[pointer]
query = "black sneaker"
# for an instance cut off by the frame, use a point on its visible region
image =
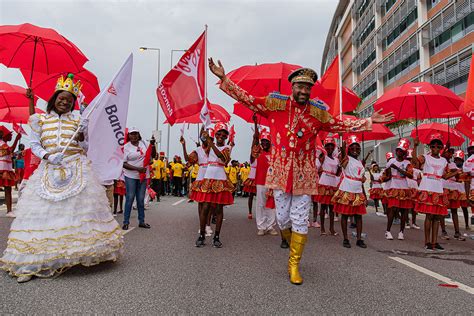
(216, 243)
(438, 247)
(361, 243)
(346, 243)
(284, 244)
(428, 247)
(200, 241)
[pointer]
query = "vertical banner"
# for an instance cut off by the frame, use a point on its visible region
(107, 115)
(182, 91)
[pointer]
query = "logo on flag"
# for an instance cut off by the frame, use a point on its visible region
(112, 90)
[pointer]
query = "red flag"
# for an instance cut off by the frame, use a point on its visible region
(146, 162)
(31, 163)
(182, 91)
(19, 129)
(468, 107)
(466, 126)
(330, 92)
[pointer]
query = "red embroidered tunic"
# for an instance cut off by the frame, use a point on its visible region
(294, 127)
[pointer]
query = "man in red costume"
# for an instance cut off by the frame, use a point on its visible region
(292, 174)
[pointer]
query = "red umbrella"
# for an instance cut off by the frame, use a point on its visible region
(418, 100)
(217, 113)
(426, 130)
(44, 84)
(27, 46)
(13, 96)
(247, 114)
(378, 132)
(19, 115)
(260, 80)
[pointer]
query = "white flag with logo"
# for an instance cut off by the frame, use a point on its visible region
(107, 116)
(205, 116)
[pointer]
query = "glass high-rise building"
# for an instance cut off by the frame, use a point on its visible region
(385, 43)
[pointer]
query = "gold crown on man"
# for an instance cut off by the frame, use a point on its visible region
(69, 85)
(305, 75)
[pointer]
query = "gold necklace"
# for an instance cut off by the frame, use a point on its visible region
(296, 118)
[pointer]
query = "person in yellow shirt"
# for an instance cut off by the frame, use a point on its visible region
(244, 174)
(233, 173)
(158, 166)
(177, 169)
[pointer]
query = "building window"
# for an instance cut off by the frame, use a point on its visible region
(388, 5)
(452, 35)
(402, 68)
(369, 92)
(366, 62)
(457, 85)
(431, 3)
(362, 8)
(400, 29)
(366, 32)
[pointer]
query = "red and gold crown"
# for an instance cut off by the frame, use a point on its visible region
(69, 85)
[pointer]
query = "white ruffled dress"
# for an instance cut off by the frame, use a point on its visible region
(63, 217)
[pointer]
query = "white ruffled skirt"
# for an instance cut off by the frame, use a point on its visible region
(47, 237)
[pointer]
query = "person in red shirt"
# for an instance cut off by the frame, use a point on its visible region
(7, 175)
(265, 217)
(292, 175)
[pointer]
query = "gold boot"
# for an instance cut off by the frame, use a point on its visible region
(296, 250)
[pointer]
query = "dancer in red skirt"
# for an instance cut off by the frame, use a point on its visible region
(249, 184)
(389, 155)
(462, 179)
(199, 156)
(215, 189)
(328, 183)
(399, 198)
(119, 193)
(431, 199)
(375, 192)
(7, 175)
(468, 168)
(350, 199)
(413, 185)
(455, 190)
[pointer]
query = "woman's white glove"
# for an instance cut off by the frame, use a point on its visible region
(56, 158)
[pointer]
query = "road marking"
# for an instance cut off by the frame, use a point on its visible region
(435, 275)
(179, 202)
(129, 230)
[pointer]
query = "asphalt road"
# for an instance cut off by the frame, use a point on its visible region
(163, 273)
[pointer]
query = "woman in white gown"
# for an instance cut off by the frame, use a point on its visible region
(63, 215)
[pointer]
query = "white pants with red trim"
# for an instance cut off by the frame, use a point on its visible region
(265, 217)
(292, 211)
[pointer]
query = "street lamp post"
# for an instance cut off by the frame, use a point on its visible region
(169, 126)
(142, 49)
